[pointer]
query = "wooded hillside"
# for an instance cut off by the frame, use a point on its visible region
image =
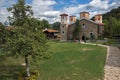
(113, 13)
(112, 23)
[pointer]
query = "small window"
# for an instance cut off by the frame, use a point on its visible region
(91, 34)
(83, 26)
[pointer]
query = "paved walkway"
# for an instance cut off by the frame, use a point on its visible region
(112, 67)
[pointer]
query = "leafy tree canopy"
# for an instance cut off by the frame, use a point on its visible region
(45, 24)
(20, 13)
(1, 26)
(77, 29)
(26, 39)
(113, 13)
(56, 25)
(112, 23)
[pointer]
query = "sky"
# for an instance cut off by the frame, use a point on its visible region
(51, 9)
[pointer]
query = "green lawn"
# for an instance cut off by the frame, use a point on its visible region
(69, 61)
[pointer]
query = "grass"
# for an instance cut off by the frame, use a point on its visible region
(113, 42)
(69, 61)
(73, 61)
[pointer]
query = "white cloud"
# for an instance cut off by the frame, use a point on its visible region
(1, 2)
(4, 4)
(94, 7)
(43, 9)
(102, 4)
(74, 9)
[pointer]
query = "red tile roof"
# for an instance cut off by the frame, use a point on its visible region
(10, 28)
(51, 30)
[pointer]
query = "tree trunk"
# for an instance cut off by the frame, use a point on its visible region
(27, 67)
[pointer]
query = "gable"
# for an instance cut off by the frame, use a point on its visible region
(88, 21)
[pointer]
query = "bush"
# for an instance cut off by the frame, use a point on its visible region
(34, 76)
(100, 37)
(113, 41)
(87, 38)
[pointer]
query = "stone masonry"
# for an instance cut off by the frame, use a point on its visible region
(112, 67)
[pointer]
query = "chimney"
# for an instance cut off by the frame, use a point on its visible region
(72, 19)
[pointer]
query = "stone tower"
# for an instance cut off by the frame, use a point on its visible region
(72, 19)
(64, 27)
(98, 18)
(84, 15)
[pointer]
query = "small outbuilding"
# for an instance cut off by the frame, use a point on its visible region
(51, 33)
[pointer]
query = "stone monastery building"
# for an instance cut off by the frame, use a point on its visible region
(89, 27)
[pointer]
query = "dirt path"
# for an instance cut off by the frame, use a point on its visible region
(112, 67)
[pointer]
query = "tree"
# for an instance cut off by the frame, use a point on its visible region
(77, 29)
(56, 26)
(26, 40)
(45, 24)
(1, 26)
(113, 13)
(112, 23)
(2, 33)
(111, 27)
(20, 13)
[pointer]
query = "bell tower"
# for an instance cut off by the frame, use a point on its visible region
(72, 19)
(84, 15)
(64, 27)
(98, 18)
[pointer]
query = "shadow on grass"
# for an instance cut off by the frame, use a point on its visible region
(9, 70)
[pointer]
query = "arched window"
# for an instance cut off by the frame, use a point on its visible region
(83, 25)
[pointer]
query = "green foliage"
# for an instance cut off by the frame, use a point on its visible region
(77, 29)
(26, 39)
(3, 34)
(112, 23)
(92, 38)
(1, 26)
(112, 27)
(20, 13)
(113, 41)
(113, 13)
(56, 25)
(45, 24)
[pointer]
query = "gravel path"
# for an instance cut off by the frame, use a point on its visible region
(112, 67)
